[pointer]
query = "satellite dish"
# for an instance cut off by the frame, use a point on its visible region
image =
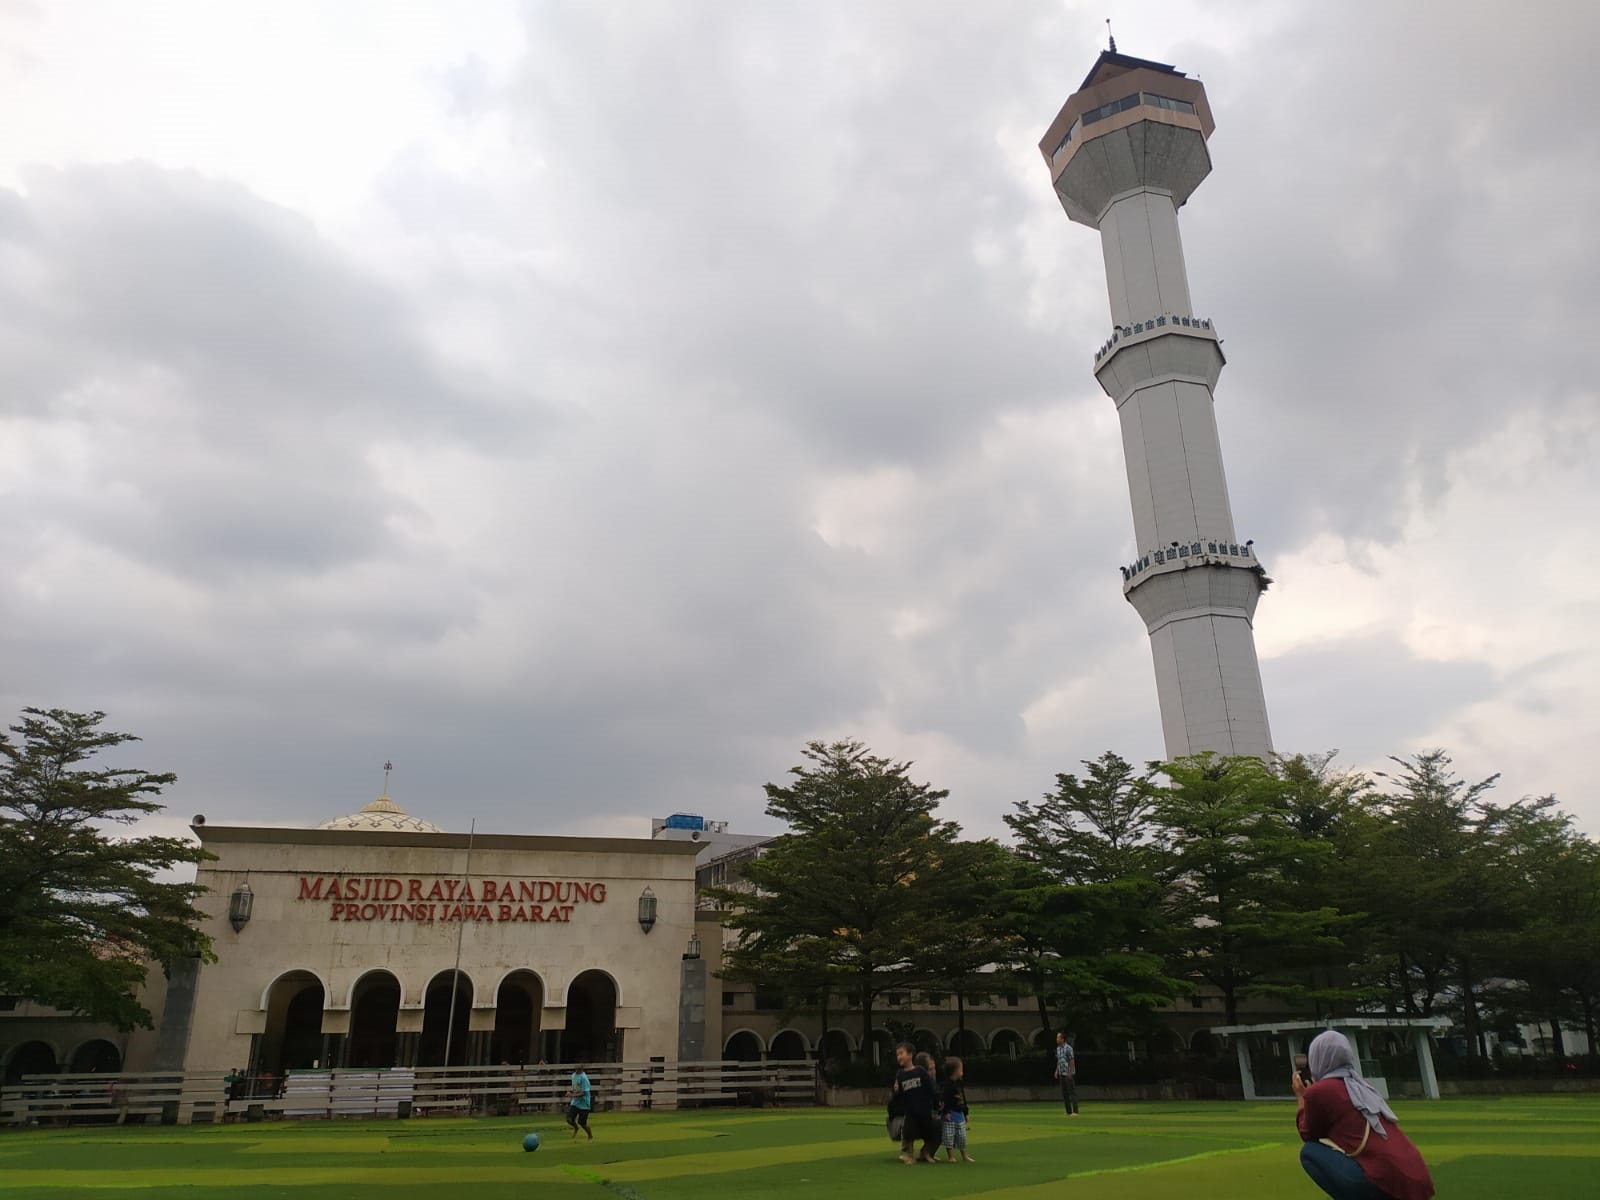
(199, 819)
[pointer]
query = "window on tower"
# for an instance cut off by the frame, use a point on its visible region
(1110, 110)
(1168, 102)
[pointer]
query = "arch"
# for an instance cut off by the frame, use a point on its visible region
(448, 993)
(517, 1003)
(1007, 1042)
(30, 1058)
(1164, 1042)
(743, 1045)
(298, 973)
(928, 1041)
(1205, 1042)
(616, 988)
(292, 1037)
(966, 1043)
(520, 973)
(374, 1016)
(880, 1047)
(789, 1045)
(96, 1055)
(591, 1032)
(837, 1045)
(1042, 1039)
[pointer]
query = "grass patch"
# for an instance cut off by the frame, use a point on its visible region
(1547, 1147)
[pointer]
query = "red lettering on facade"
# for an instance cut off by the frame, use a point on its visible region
(597, 892)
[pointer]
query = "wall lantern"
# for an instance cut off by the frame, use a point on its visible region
(239, 906)
(647, 910)
(694, 946)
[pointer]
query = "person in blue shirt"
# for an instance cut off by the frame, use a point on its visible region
(1066, 1074)
(581, 1101)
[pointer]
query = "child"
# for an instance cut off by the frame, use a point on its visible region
(912, 1096)
(953, 1096)
(580, 1102)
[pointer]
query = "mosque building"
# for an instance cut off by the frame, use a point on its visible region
(378, 939)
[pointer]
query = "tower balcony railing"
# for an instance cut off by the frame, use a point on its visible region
(1141, 329)
(1178, 556)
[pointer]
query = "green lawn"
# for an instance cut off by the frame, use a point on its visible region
(1544, 1147)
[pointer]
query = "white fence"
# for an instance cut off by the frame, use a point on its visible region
(178, 1098)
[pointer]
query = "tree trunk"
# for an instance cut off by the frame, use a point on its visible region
(1469, 1014)
(961, 1016)
(1044, 1009)
(1557, 1046)
(866, 1018)
(1588, 1020)
(823, 1036)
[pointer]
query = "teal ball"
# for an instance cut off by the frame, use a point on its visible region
(531, 1142)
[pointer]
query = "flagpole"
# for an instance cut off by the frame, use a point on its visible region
(461, 932)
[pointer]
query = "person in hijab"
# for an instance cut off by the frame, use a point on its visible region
(1354, 1148)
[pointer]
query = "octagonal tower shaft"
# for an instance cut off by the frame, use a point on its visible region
(1125, 152)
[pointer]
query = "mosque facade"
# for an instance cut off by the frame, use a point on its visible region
(380, 940)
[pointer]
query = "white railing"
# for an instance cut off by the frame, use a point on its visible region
(178, 1098)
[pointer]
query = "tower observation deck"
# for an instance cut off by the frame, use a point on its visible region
(1125, 152)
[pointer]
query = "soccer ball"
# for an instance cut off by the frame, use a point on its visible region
(531, 1142)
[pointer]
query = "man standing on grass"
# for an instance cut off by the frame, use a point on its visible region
(1066, 1074)
(581, 1100)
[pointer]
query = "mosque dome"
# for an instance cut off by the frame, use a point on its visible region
(382, 813)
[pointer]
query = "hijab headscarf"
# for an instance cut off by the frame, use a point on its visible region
(1331, 1057)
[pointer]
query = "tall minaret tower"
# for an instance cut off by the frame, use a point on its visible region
(1125, 152)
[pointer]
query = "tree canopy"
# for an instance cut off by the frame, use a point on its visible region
(84, 912)
(858, 882)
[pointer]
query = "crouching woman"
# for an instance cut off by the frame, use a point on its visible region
(1354, 1148)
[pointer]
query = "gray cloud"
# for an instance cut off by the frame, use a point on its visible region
(739, 393)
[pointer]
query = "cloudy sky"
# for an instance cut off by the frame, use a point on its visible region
(585, 404)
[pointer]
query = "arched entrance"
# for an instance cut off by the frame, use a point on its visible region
(965, 1043)
(787, 1045)
(292, 1040)
(835, 1044)
(374, 1012)
(98, 1056)
(441, 1036)
(743, 1046)
(591, 1033)
(30, 1058)
(516, 1019)
(1007, 1042)
(927, 1041)
(880, 1048)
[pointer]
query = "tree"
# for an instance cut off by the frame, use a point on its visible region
(1085, 915)
(1432, 880)
(1238, 916)
(1330, 805)
(860, 875)
(82, 913)
(1091, 830)
(1549, 877)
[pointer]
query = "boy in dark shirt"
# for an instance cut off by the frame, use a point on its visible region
(953, 1099)
(913, 1094)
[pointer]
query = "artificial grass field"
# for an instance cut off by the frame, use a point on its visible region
(1544, 1148)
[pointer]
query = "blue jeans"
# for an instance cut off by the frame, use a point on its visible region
(1339, 1176)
